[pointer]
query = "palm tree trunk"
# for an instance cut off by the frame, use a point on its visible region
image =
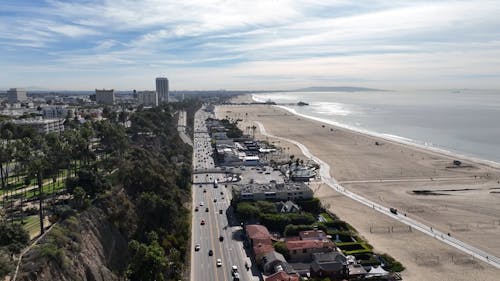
(40, 200)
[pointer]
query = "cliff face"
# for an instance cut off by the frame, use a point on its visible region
(89, 246)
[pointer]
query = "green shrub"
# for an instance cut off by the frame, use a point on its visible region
(392, 264)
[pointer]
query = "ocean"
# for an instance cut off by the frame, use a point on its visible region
(463, 122)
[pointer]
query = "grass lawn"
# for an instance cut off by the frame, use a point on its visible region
(327, 217)
(32, 225)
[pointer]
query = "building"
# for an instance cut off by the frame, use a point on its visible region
(54, 112)
(272, 191)
(303, 250)
(332, 265)
(162, 89)
(106, 97)
(312, 235)
(287, 207)
(282, 276)
(16, 95)
(42, 126)
(148, 98)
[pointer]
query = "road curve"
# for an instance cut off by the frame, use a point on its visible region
(329, 180)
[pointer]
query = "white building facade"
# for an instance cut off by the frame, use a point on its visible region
(148, 98)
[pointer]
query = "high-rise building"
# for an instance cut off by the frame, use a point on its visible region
(162, 88)
(148, 98)
(16, 95)
(105, 96)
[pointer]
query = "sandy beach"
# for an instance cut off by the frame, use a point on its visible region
(421, 183)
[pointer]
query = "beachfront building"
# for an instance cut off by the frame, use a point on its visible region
(106, 97)
(162, 89)
(148, 98)
(303, 250)
(332, 265)
(272, 191)
(15, 95)
(44, 126)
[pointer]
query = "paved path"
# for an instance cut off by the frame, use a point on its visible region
(329, 180)
(409, 180)
(181, 128)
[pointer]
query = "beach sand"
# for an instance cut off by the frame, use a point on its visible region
(388, 172)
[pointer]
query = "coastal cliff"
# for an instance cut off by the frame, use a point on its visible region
(89, 246)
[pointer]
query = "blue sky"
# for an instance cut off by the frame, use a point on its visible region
(239, 44)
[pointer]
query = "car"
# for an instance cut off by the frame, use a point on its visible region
(234, 269)
(206, 209)
(221, 238)
(204, 191)
(210, 252)
(201, 203)
(196, 209)
(221, 193)
(215, 200)
(197, 247)
(219, 262)
(220, 211)
(202, 222)
(236, 276)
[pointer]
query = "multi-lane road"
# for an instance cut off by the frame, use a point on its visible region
(214, 227)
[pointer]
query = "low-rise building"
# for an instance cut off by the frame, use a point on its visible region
(315, 234)
(44, 126)
(303, 250)
(54, 112)
(282, 276)
(272, 191)
(332, 265)
(287, 207)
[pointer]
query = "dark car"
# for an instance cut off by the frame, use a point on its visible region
(221, 238)
(220, 211)
(206, 209)
(196, 209)
(210, 253)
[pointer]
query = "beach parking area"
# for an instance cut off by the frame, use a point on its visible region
(424, 185)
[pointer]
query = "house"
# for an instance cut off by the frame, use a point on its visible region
(302, 250)
(287, 207)
(273, 262)
(312, 235)
(261, 249)
(356, 271)
(282, 276)
(257, 231)
(332, 265)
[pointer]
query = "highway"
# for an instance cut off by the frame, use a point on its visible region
(444, 237)
(218, 220)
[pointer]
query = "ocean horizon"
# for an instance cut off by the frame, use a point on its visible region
(463, 123)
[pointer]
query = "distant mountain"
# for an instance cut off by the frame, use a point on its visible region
(337, 89)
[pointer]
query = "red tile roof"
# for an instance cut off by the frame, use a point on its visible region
(282, 276)
(255, 231)
(261, 249)
(309, 244)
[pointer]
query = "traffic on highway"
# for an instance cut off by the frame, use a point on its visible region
(217, 246)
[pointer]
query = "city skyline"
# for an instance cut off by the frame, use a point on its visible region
(69, 45)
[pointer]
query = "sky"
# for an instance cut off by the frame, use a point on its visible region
(249, 44)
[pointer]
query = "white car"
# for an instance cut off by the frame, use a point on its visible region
(197, 247)
(219, 262)
(201, 203)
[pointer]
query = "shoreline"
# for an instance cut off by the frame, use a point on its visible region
(392, 138)
(388, 174)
